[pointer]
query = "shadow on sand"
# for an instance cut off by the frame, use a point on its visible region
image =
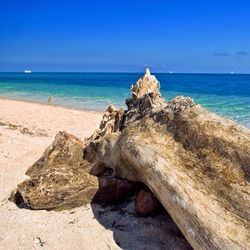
(133, 232)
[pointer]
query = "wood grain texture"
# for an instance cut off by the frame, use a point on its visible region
(196, 163)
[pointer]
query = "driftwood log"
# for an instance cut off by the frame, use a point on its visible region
(196, 163)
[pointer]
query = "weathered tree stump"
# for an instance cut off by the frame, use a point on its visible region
(196, 163)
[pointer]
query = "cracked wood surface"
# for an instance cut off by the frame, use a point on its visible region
(196, 163)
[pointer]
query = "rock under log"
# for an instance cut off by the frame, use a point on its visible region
(146, 204)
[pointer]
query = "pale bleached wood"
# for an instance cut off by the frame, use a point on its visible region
(196, 163)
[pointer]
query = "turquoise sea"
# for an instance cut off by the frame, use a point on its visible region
(225, 94)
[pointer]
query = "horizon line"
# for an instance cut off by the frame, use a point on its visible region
(129, 72)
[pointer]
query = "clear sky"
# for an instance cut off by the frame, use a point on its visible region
(125, 36)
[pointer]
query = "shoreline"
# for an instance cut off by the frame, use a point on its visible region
(92, 111)
(50, 105)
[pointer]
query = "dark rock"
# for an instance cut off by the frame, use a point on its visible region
(114, 190)
(146, 203)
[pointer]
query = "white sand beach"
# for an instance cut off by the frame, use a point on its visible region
(26, 129)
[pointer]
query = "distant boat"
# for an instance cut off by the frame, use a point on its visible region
(27, 71)
(170, 72)
(232, 72)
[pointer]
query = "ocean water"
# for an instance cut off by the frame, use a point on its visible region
(225, 94)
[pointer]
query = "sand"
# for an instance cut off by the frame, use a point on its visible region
(26, 129)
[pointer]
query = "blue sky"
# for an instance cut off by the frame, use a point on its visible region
(125, 36)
